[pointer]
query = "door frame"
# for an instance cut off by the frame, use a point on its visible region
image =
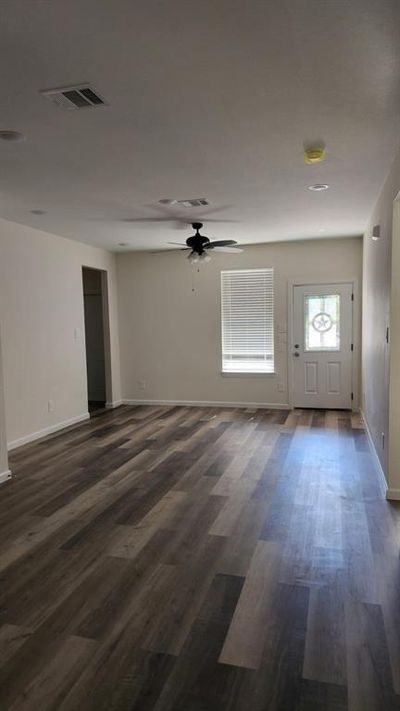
(356, 335)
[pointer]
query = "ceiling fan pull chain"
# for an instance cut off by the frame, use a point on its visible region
(195, 270)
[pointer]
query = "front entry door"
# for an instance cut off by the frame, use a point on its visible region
(322, 345)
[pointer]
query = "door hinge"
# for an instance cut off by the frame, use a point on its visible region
(352, 297)
(352, 347)
(352, 396)
(387, 334)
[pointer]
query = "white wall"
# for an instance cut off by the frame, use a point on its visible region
(170, 335)
(377, 267)
(42, 322)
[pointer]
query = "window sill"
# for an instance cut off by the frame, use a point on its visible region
(247, 375)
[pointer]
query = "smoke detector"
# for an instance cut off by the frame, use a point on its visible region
(80, 96)
(314, 154)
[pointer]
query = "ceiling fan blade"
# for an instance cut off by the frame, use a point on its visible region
(212, 219)
(189, 215)
(180, 244)
(150, 219)
(212, 210)
(168, 251)
(222, 243)
(228, 250)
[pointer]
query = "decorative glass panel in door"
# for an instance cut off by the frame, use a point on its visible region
(322, 322)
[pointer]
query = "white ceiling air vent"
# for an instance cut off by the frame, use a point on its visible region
(74, 97)
(194, 202)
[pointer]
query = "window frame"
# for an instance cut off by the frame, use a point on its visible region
(250, 374)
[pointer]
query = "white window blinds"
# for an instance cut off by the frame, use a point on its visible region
(247, 316)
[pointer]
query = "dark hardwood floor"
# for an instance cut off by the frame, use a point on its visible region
(187, 559)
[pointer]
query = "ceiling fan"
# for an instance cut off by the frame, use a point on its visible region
(200, 246)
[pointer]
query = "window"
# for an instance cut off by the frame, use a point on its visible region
(247, 314)
(322, 322)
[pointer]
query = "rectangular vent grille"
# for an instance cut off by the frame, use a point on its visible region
(74, 97)
(194, 202)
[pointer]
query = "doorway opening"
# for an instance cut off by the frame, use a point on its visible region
(97, 337)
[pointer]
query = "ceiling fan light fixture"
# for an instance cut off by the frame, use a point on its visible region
(204, 257)
(193, 257)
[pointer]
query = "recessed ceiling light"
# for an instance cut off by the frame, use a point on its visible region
(318, 187)
(11, 136)
(38, 212)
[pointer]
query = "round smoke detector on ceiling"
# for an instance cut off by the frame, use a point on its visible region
(314, 155)
(318, 187)
(11, 136)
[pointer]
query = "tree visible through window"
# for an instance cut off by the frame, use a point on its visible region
(247, 316)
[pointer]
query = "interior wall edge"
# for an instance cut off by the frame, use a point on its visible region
(3, 429)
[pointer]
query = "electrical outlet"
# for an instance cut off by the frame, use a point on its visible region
(142, 384)
(50, 406)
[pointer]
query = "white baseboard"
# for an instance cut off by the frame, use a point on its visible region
(112, 405)
(5, 476)
(46, 431)
(393, 494)
(210, 403)
(378, 464)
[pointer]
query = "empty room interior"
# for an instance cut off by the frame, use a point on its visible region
(200, 355)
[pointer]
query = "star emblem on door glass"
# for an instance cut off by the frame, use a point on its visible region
(322, 322)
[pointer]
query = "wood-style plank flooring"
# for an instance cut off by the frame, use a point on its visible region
(188, 559)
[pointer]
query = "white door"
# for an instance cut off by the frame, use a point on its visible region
(322, 345)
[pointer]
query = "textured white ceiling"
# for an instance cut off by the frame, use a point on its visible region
(207, 99)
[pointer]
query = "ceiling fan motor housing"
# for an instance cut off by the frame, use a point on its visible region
(197, 242)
